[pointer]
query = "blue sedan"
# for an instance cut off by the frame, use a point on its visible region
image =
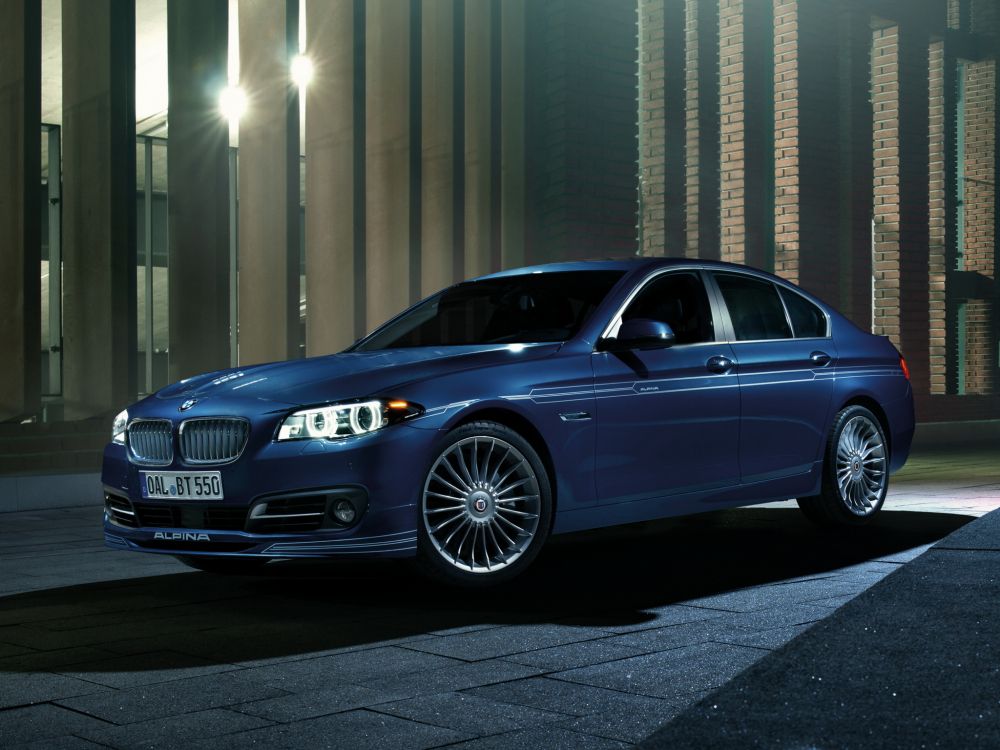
(537, 401)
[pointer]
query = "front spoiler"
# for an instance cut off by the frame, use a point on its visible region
(209, 543)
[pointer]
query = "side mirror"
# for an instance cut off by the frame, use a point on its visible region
(641, 333)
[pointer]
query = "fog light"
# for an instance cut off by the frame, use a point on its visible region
(344, 512)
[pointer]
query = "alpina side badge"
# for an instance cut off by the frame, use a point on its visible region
(188, 404)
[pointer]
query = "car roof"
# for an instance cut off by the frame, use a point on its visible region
(617, 264)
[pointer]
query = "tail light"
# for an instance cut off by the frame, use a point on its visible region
(904, 368)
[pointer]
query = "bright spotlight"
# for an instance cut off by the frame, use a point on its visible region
(232, 103)
(302, 71)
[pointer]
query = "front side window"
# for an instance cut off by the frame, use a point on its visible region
(754, 307)
(808, 321)
(520, 309)
(679, 300)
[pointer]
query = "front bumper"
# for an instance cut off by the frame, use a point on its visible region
(242, 544)
(388, 466)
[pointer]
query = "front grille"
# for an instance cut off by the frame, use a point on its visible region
(213, 440)
(120, 510)
(151, 442)
(300, 513)
(158, 516)
(218, 518)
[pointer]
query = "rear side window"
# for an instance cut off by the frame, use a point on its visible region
(808, 321)
(754, 307)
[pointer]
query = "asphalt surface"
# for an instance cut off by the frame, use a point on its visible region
(913, 662)
(610, 636)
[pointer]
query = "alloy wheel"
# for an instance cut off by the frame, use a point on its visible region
(861, 466)
(481, 504)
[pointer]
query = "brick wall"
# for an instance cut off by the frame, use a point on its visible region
(860, 159)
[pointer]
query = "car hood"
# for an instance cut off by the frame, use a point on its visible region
(347, 375)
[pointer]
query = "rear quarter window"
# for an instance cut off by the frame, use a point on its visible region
(808, 321)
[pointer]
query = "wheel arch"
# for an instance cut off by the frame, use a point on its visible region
(875, 408)
(524, 427)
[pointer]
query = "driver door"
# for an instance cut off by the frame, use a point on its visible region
(668, 419)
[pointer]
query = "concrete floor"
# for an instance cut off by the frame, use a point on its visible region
(612, 634)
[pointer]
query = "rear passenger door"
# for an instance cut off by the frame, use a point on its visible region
(786, 371)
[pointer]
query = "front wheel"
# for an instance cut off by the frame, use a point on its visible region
(486, 506)
(224, 565)
(855, 471)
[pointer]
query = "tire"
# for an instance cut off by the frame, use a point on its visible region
(485, 508)
(855, 471)
(224, 565)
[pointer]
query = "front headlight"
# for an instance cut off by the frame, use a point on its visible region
(344, 420)
(118, 427)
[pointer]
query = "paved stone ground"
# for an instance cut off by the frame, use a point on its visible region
(611, 635)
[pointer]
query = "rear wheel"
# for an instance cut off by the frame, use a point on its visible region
(224, 565)
(486, 507)
(855, 471)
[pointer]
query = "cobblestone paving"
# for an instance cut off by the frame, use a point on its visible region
(611, 635)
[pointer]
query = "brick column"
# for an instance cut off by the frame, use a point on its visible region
(20, 206)
(702, 128)
(980, 198)
(940, 124)
(808, 146)
(901, 179)
(745, 135)
(652, 126)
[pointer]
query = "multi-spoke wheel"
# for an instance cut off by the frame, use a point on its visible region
(855, 472)
(486, 505)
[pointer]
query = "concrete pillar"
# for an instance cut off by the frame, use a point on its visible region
(268, 183)
(387, 159)
(334, 236)
(478, 227)
(198, 188)
(512, 127)
(437, 200)
(99, 209)
(20, 207)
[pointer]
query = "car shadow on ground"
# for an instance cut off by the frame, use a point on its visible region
(605, 579)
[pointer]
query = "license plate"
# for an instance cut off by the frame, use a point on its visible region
(181, 485)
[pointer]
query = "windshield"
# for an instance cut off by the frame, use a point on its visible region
(522, 309)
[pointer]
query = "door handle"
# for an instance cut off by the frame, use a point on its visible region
(719, 364)
(819, 358)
